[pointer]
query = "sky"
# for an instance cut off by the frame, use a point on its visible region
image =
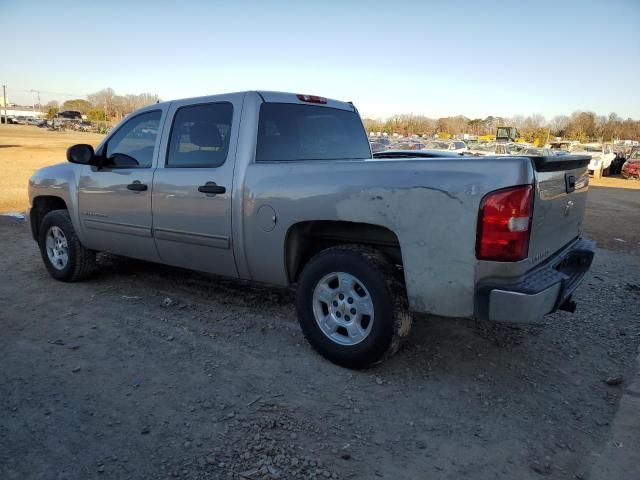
(433, 58)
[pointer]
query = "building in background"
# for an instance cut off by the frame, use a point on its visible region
(12, 110)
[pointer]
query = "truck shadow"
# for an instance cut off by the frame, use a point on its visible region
(429, 334)
(561, 359)
(197, 286)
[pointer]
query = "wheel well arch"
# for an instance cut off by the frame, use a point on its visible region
(40, 206)
(304, 239)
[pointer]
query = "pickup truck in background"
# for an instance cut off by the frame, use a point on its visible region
(283, 189)
(601, 155)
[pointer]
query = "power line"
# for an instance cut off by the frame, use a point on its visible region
(49, 93)
(65, 94)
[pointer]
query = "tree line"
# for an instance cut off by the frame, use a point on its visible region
(581, 125)
(104, 105)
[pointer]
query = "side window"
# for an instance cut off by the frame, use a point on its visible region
(200, 136)
(133, 143)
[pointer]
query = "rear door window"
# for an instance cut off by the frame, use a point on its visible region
(290, 132)
(200, 136)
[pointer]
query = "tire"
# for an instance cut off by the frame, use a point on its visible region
(80, 262)
(376, 286)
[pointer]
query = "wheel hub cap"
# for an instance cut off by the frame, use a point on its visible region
(343, 308)
(57, 248)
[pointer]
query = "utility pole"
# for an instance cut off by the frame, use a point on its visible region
(4, 102)
(33, 103)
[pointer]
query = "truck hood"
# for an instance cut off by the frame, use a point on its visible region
(51, 172)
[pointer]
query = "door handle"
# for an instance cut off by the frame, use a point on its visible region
(211, 188)
(137, 186)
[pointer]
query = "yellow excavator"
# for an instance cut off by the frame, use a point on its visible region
(507, 134)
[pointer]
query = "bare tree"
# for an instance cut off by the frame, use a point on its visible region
(117, 106)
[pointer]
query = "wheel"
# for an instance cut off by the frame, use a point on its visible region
(352, 306)
(64, 256)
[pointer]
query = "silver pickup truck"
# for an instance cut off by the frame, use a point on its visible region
(283, 189)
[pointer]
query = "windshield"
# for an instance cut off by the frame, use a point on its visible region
(536, 152)
(590, 148)
(503, 132)
(408, 146)
(437, 146)
(484, 147)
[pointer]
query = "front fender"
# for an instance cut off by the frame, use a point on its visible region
(61, 181)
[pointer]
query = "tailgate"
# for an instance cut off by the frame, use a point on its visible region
(561, 197)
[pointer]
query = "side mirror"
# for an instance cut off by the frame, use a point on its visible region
(81, 153)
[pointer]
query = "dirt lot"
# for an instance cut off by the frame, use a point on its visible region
(154, 372)
(23, 150)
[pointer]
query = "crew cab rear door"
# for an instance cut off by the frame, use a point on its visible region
(192, 186)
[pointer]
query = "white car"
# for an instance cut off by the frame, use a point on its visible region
(601, 155)
(448, 145)
(601, 158)
(496, 149)
(537, 152)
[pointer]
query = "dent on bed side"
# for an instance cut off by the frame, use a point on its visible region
(438, 260)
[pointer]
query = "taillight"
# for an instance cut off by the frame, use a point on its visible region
(504, 224)
(311, 98)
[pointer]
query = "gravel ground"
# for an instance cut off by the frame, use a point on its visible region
(612, 215)
(154, 372)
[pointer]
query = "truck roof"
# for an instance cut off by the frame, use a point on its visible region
(279, 97)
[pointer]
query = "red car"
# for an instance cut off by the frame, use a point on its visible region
(631, 168)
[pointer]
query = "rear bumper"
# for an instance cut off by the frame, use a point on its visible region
(540, 291)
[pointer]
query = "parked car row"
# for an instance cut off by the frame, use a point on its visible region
(379, 144)
(23, 120)
(604, 160)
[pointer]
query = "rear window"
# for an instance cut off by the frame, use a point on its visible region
(289, 132)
